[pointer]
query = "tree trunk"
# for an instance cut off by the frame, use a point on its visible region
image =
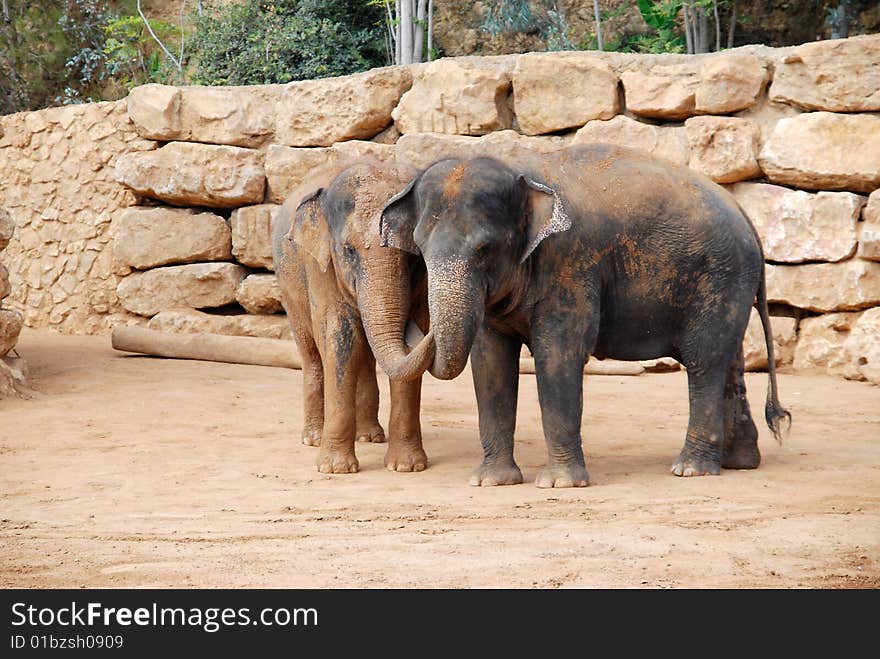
(717, 25)
(419, 32)
(405, 27)
(599, 44)
(688, 29)
(732, 27)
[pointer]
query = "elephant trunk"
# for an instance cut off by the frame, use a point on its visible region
(456, 308)
(383, 300)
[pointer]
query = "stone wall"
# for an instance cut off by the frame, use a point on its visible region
(793, 133)
(12, 370)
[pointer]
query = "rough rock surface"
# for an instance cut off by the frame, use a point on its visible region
(820, 343)
(190, 174)
(845, 286)
(195, 286)
(259, 294)
(823, 150)
(729, 81)
(555, 91)
(723, 148)
(10, 326)
(148, 237)
(7, 226)
(862, 348)
(354, 107)
(797, 226)
(667, 142)
(192, 321)
(784, 331)
(839, 75)
(252, 235)
(422, 149)
(461, 96)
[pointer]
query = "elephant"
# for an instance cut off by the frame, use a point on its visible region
(591, 250)
(349, 301)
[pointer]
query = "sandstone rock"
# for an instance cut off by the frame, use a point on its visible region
(797, 226)
(252, 235)
(729, 81)
(423, 149)
(715, 84)
(287, 167)
(259, 294)
(10, 327)
(820, 343)
(149, 237)
(5, 288)
(192, 321)
(766, 114)
(7, 227)
(241, 116)
(845, 286)
(862, 348)
(189, 174)
(869, 241)
(667, 142)
(839, 75)
(354, 107)
(457, 96)
(723, 148)
(822, 150)
(14, 377)
(871, 214)
(555, 91)
(784, 331)
(195, 286)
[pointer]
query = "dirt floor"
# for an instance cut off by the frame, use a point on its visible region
(127, 471)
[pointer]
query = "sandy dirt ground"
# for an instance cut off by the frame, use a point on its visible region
(129, 471)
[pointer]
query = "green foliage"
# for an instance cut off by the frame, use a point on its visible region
(132, 56)
(660, 15)
(284, 40)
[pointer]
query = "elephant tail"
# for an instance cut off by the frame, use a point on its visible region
(773, 410)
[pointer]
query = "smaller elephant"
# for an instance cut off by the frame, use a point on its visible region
(349, 299)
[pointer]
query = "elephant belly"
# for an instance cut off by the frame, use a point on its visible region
(638, 330)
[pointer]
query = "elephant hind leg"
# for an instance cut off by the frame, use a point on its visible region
(740, 448)
(367, 419)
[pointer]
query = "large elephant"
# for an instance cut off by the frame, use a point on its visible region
(344, 295)
(594, 250)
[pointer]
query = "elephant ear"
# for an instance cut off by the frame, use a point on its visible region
(311, 232)
(541, 222)
(398, 221)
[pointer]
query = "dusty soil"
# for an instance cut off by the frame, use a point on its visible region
(129, 471)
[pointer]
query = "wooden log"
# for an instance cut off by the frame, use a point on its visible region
(207, 347)
(597, 367)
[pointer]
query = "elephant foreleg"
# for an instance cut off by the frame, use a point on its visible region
(495, 369)
(368, 427)
(405, 451)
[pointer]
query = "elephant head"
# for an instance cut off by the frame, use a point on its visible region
(476, 223)
(336, 226)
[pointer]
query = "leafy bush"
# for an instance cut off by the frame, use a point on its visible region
(284, 40)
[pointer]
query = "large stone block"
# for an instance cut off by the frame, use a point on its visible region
(839, 75)
(189, 174)
(5, 288)
(822, 150)
(869, 241)
(195, 286)
(862, 348)
(797, 226)
(240, 116)
(423, 149)
(784, 331)
(259, 294)
(10, 327)
(667, 142)
(354, 107)
(461, 96)
(555, 91)
(845, 286)
(252, 235)
(820, 343)
(149, 237)
(287, 167)
(7, 227)
(191, 321)
(723, 148)
(720, 84)
(871, 214)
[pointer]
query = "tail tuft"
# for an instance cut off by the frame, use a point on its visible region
(775, 413)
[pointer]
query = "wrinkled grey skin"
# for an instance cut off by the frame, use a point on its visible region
(347, 299)
(594, 250)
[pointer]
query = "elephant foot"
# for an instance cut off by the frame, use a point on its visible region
(741, 455)
(492, 474)
(563, 475)
(372, 433)
(311, 436)
(337, 462)
(406, 457)
(695, 466)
